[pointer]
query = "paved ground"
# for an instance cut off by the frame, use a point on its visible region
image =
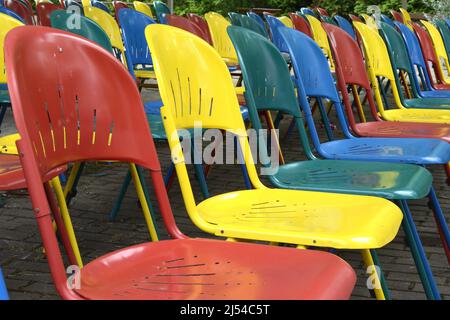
(26, 270)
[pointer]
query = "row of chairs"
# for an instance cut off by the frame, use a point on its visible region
(218, 204)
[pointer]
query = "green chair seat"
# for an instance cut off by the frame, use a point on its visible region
(428, 103)
(387, 180)
(4, 97)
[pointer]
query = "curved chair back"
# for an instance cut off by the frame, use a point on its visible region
(118, 5)
(286, 21)
(185, 24)
(397, 16)
(234, 18)
(100, 5)
(355, 18)
(345, 25)
(300, 24)
(143, 8)
(203, 25)
(7, 23)
(251, 24)
(370, 21)
(20, 9)
(406, 17)
(307, 11)
(161, 9)
(221, 41)
(387, 20)
(444, 30)
(11, 13)
(43, 12)
(258, 19)
(320, 36)
(60, 19)
(323, 12)
(274, 25)
(439, 49)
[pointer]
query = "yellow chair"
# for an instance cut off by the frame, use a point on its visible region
(287, 21)
(406, 18)
(370, 21)
(439, 48)
(320, 37)
(378, 65)
(143, 8)
(300, 218)
(86, 3)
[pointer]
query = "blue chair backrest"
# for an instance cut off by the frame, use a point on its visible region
(387, 20)
(345, 25)
(11, 14)
(133, 24)
(257, 18)
(161, 10)
(414, 52)
(307, 11)
(274, 26)
(100, 5)
(3, 292)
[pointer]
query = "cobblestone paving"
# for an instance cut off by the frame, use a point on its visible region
(26, 270)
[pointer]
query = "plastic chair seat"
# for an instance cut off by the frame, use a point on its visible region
(403, 130)
(144, 74)
(210, 269)
(385, 180)
(416, 151)
(4, 97)
(428, 103)
(441, 86)
(303, 217)
(417, 115)
(435, 94)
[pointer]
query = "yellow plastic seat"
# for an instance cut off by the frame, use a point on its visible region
(321, 38)
(379, 65)
(8, 144)
(143, 8)
(207, 96)
(406, 18)
(370, 21)
(86, 3)
(439, 48)
(286, 21)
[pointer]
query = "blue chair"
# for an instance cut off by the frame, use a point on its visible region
(257, 18)
(417, 61)
(274, 26)
(161, 9)
(387, 20)
(308, 11)
(100, 5)
(3, 291)
(11, 13)
(345, 25)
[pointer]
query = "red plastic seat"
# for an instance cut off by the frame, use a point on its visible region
(203, 25)
(44, 10)
(185, 24)
(68, 95)
(322, 12)
(21, 9)
(355, 18)
(301, 24)
(397, 16)
(350, 70)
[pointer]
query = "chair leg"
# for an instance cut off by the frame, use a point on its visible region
(121, 196)
(147, 196)
(384, 285)
(170, 176)
(64, 211)
(2, 113)
(441, 222)
(70, 190)
(368, 261)
(143, 201)
(420, 259)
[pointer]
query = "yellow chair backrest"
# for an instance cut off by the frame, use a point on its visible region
(406, 18)
(143, 8)
(222, 43)
(439, 48)
(370, 21)
(321, 38)
(378, 62)
(287, 21)
(86, 3)
(196, 89)
(6, 24)
(109, 25)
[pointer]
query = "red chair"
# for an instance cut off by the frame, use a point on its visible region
(68, 107)
(429, 55)
(21, 9)
(301, 24)
(203, 25)
(355, 18)
(44, 10)
(117, 6)
(397, 16)
(185, 24)
(323, 12)
(351, 75)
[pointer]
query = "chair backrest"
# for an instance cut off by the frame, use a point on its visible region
(133, 25)
(203, 25)
(397, 16)
(60, 19)
(370, 21)
(253, 25)
(439, 49)
(185, 24)
(161, 9)
(257, 18)
(234, 18)
(350, 69)
(444, 30)
(204, 95)
(118, 5)
(415, 54)
(221, 41)
(328, 20)
(320, 36)
(100, 5)
(286, 21)
(323, 12)
(308, 11)
(11, 13)
(406, 17)
(300, 24)
(387, 20)
(67, 111)
(43, 12)
(7, 23)
(143, 8)
(274, 25)
(355, 18)
(21, 9)
(345, 25)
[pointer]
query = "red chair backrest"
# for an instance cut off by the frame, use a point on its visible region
(397, 16)
(185, 24)
(300, 24)
(203, 25)
(322, 12)
(350, 68)
(117, 6)
(44, 11)
(355, 18)
(21, 9)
